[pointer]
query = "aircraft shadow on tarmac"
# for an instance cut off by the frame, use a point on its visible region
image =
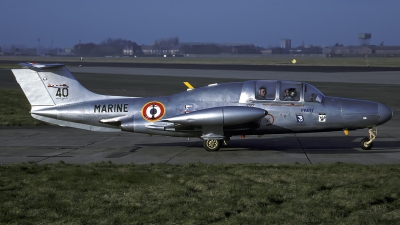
(325, 145)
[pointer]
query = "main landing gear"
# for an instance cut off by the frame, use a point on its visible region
(213, 145)
(366, 143)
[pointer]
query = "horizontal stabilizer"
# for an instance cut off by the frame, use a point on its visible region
(40, 66)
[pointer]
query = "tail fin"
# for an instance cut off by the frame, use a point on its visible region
(51, 84)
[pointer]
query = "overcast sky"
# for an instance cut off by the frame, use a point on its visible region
(260, 22)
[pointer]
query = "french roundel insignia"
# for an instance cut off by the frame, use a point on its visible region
(153, 111)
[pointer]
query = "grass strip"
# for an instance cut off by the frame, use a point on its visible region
(105, 193)
(15, 108)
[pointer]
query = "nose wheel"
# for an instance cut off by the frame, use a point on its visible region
(366, 143)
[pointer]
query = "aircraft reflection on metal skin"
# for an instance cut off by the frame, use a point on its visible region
(213, 113)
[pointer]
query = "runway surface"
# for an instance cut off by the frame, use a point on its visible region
(51, 144)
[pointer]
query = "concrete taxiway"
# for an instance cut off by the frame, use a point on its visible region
(51, 144)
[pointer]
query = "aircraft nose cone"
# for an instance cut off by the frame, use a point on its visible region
(384, 113)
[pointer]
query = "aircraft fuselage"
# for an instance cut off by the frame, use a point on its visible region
(213, 113)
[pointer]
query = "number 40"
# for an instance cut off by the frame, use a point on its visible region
(62, 92)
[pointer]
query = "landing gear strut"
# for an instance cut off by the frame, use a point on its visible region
(366, 143)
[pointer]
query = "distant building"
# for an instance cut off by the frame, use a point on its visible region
(199, 48)
(17, 51)
(28, 51)
(362, 50)
(65, 52)
(62, 52)
(148, 49)
(132, 49)
(246, 49)
(306, 50)
(161, 50)
(348, 50)
(14, 51)
(286, 43)
(386, 50)
(277, 50)
(266, 51)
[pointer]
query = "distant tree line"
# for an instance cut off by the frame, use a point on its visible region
(107, 47)
(114, 47)
(166, 42)
(219, 49)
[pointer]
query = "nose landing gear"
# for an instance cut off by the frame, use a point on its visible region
(366, 143)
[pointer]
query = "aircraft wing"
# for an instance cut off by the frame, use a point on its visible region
(210, 122)
(213, 120)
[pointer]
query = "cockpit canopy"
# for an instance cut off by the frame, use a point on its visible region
(279, 91)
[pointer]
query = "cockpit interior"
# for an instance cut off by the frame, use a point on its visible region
(280, 91)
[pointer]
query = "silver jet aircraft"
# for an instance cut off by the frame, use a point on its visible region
(213, 113)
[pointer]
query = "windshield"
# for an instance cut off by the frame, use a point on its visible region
(312, 94)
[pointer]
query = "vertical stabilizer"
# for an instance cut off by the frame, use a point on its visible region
(51, 84)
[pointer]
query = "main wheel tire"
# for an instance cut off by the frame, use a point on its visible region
(212, 145)
(364, 145)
